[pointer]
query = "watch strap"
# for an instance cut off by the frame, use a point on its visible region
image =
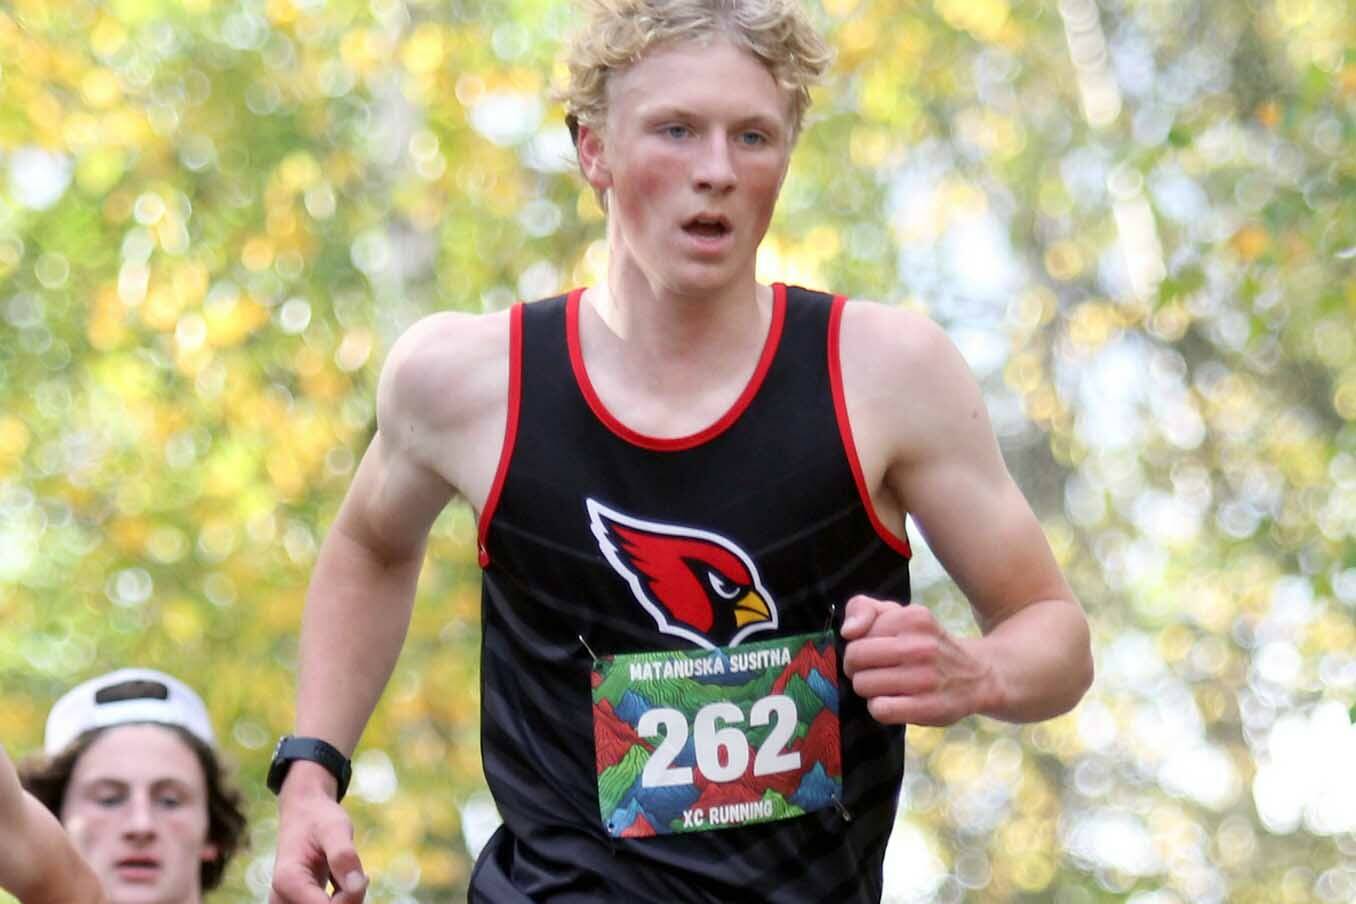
(292, 748)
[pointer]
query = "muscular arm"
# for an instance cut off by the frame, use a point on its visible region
(440, 408)
(362, 591)
(923, 429)
(439, 414)
(38, 863)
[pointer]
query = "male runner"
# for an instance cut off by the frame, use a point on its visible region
(129, 803)
(691, 491)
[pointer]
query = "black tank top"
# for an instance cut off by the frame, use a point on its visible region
(779, 477)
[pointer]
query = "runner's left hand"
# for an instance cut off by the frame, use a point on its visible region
(910, 669)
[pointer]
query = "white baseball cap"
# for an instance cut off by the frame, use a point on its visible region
(123, 697)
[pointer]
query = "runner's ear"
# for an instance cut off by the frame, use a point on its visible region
(593, 158)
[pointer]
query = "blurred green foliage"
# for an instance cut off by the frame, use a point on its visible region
(1136, 219)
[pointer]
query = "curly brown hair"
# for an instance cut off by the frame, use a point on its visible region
(617, 33)
(47, 778)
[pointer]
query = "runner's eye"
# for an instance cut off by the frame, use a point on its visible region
(724, 589)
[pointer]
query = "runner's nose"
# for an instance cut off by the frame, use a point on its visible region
(715, 165)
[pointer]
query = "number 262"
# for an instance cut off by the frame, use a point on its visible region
(722, 751)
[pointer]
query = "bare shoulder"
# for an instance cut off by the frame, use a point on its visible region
(898, 354)
(445, 370)
(441, 406)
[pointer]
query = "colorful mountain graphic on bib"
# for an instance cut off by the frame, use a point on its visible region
(816, 790)
(812, 664)
(613, 737)
(820, 743)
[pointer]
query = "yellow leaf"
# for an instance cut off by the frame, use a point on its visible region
(425, 49)
(1250, 242)
(100, 89)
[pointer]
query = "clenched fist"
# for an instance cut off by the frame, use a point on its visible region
(910, 669)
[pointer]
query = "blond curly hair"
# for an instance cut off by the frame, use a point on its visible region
(617, 33)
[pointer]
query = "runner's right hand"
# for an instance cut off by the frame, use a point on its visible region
(315, 844)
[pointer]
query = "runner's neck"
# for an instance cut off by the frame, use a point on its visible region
(670, 375)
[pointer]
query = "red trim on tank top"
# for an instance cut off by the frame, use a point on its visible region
(898, 544)
(680, 443)
(515, 393)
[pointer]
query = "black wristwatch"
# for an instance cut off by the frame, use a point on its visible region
(290, 749)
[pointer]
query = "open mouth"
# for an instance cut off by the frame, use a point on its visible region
(707, 227)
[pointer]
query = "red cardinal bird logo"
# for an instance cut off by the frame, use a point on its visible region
(695, 584)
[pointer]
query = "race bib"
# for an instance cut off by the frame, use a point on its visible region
(695, 740)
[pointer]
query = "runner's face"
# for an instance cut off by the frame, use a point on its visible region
(693, 154)
(136, 808)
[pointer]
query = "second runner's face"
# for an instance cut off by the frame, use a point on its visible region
(696, 145)
(136, 809)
